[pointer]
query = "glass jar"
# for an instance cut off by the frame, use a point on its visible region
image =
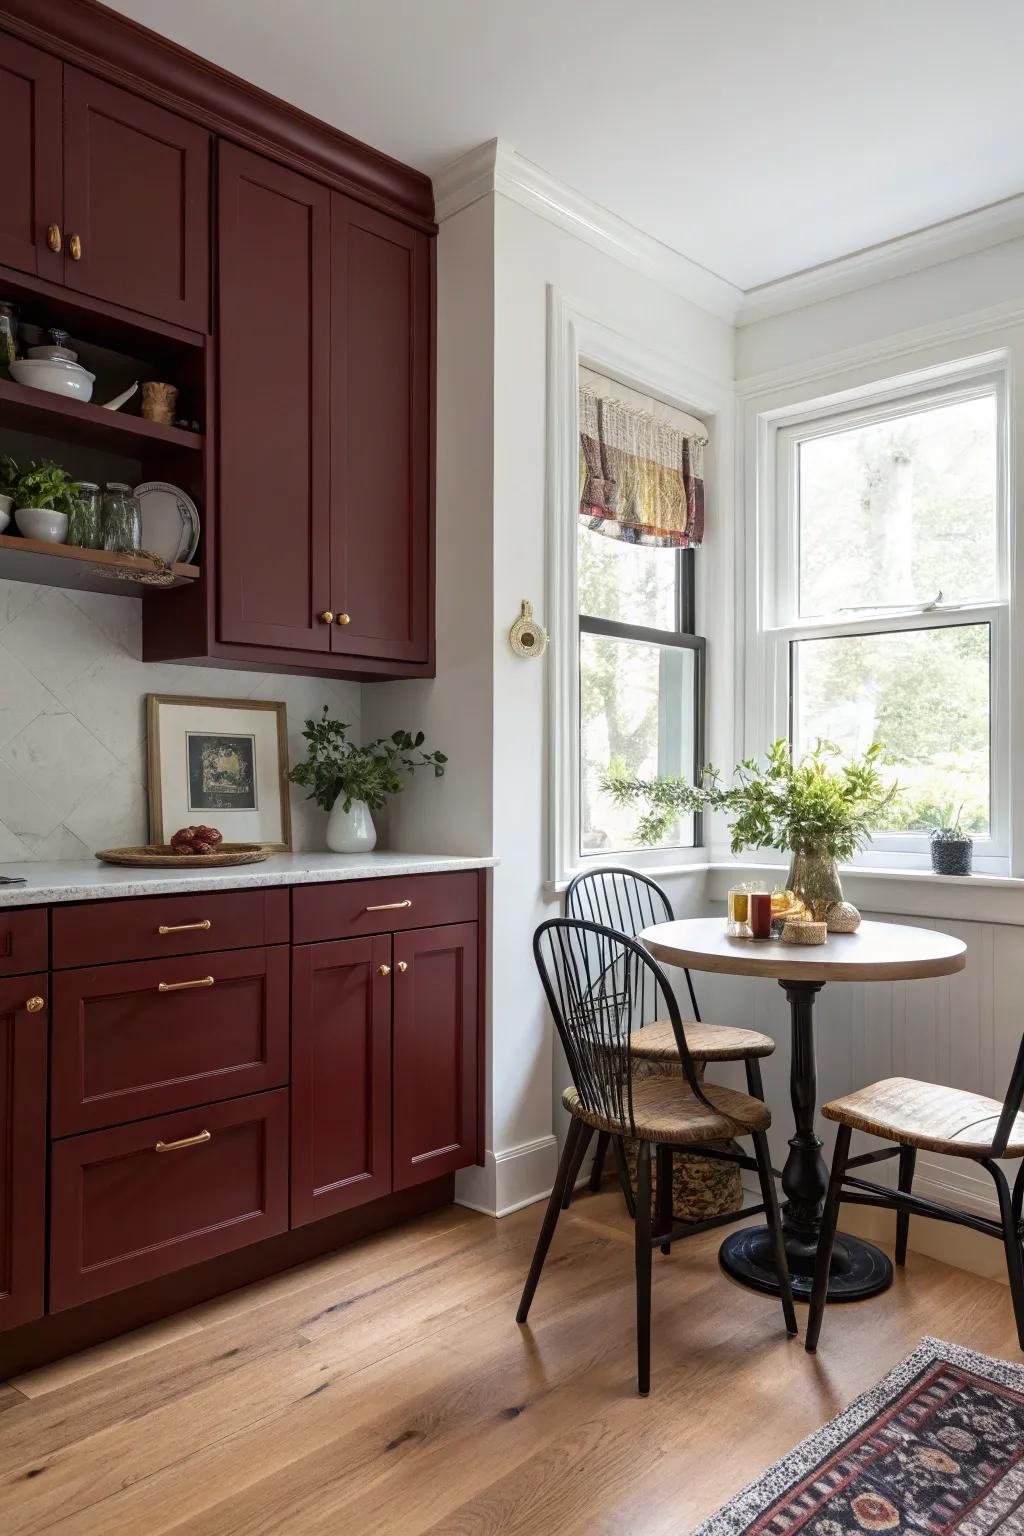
(122, 519)
(85, 527)
(8, 333)
(737, 923)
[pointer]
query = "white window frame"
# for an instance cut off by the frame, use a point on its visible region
(574, 339)
(778, 622)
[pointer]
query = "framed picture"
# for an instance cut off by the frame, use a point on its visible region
(222, 762)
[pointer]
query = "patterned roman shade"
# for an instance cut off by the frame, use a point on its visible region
(641, 466)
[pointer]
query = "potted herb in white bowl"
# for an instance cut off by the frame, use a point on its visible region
(9, 473)
(350, 781)
(44, 495)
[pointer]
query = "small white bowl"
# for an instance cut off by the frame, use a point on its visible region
(55, 377)
(6, 504)
(42, 523)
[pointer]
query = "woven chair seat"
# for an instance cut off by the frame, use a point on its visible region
(926, 1115)
(664, 1109)
(707, 1042)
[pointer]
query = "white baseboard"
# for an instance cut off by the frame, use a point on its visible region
(510, 1178)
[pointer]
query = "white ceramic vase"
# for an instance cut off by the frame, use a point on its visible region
(351, 831)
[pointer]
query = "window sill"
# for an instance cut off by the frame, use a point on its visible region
(902, 892)
(654, 871)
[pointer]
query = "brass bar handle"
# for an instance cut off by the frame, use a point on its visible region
(389, 906)
(182, 986)
(35, 1004)
(186, 1141)
(403, 966)
(75, 247)
(53, 238)
(205, 925)
(383, 970)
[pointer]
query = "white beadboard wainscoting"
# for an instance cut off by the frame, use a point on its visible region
(963, 1030)
(73, 722)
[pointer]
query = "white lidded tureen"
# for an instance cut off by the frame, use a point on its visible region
(54, 368)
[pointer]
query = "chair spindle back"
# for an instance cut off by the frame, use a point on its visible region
(622, 898)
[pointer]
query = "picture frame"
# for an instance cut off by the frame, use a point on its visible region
(220, 762)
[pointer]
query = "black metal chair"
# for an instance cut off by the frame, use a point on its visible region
(926, 1116)
(628, 901)
(597, 982)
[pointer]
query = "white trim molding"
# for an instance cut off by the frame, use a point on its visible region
(574, 338)
(509, 1179)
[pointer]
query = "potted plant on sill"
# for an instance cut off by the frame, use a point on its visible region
(952, 849)
(350, 782)
(44, 497)
(817, 809)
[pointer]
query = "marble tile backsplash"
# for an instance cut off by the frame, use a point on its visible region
(73, 721)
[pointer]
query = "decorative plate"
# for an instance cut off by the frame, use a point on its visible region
(170, 522)
(162, 856)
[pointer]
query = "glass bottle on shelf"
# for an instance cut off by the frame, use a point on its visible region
(122, 519)
(84, 523)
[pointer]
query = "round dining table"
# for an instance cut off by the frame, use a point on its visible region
(875, 952)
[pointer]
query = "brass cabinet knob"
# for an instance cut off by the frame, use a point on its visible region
(75, 247)
(383, 970)
(53, 238)
(35, 1004)
(402, 966)
(344, 618)
(327, 617)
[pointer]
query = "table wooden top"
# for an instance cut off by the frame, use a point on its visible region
(876, 952)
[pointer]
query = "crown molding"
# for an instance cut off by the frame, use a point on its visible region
(497, 167)
(929, 247)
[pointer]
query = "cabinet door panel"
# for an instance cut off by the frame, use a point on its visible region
(22, 1150)
(341, 1076)
(136, 192)
(274, 339)
(30, 138)
(435, 1052)
(380, 444)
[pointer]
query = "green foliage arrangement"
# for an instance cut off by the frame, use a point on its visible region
(335, 766)
(950, 830)
(9, 473)
(44, 484)
(813, 804)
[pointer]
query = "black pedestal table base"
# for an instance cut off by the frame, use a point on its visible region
(858, 1268)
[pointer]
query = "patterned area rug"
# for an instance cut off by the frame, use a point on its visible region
(937, 1448)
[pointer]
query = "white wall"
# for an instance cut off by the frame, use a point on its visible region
(73, 722)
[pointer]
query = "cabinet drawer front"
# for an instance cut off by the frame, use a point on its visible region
(356, 907)
(23, 941)
(124, 1212)
(150, 927)
(155, 1036)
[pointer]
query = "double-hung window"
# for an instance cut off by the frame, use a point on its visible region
(885, 599)
(640, 662)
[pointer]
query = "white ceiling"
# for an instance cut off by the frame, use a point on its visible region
(757, 139)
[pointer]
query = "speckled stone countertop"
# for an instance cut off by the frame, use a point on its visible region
(48, 883)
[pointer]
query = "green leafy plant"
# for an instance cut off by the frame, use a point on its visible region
(336, 767)
(950, 830)
(44, 484)
(815, 803)
(9, 474)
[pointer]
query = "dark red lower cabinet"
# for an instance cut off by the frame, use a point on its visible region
(131, 1204)
(434, 1098)
(23, 1030)
(341, 1075)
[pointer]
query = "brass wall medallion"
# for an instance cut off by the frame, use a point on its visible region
(527, 637)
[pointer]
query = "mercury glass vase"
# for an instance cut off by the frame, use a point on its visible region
(814, 878)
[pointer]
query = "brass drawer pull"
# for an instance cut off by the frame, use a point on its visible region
(383, 970)
(389, 906)
(181, 986)
(402, 966)
(184, 927)
(186, 1141)
(344, 618)
(75, 247)
(36, 1004)
(53, 238)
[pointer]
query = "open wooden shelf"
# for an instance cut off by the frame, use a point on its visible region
(73, 421)
(87, 570)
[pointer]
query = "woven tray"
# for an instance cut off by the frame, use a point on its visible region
(162, 856)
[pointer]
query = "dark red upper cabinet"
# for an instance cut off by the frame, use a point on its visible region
(23, 1030)
(380, 435)
(341, 1076)
(274, 347)
(30, 198)
(434, 1061)
(136, 203)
